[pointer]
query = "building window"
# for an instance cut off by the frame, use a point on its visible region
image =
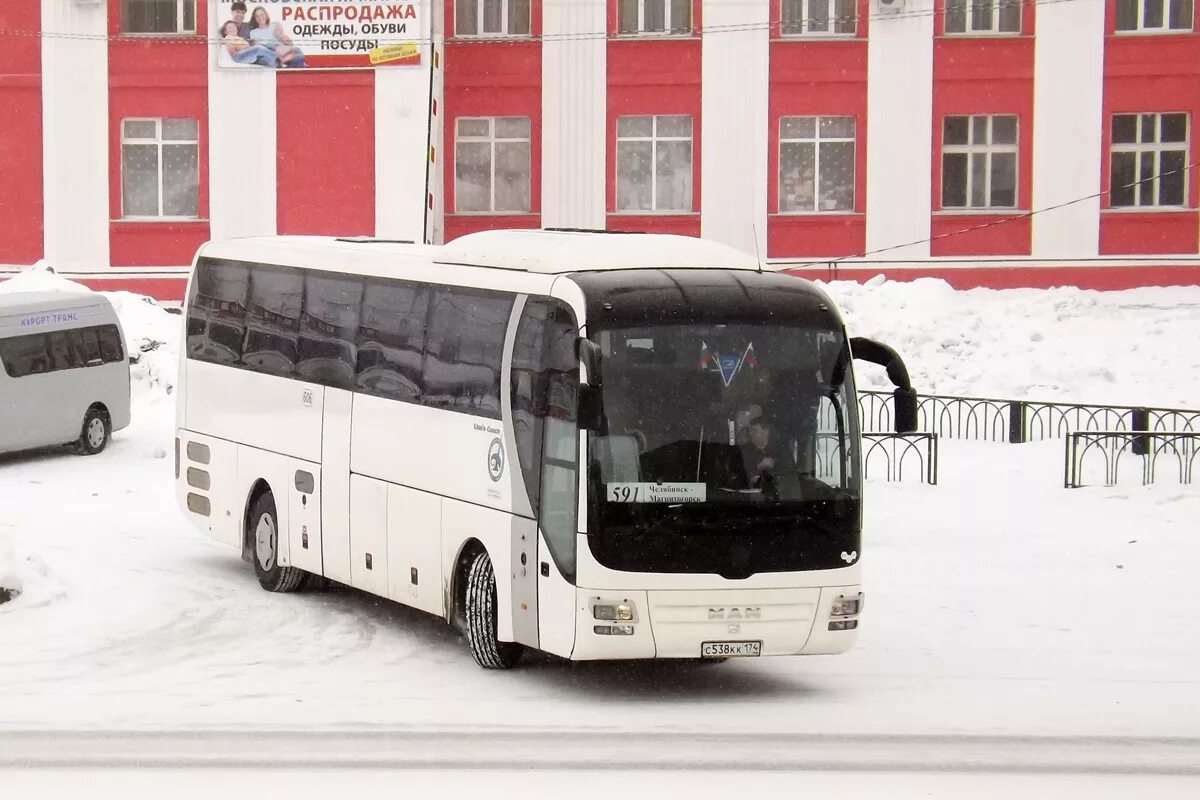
(1149, 160)
(491, 18)
(491, 165)
(158, 16)
(1154, 15)
(979, 161)
(654, 16)
(654, 163)
(160, 168)
(816, 164)
(983, 16)
(818, 17)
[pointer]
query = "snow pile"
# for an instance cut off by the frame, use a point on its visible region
(1065, 344)
(151, 333)
(24, 576)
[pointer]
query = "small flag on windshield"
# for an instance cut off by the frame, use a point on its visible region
(728, 366)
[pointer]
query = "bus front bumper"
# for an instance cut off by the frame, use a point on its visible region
(713, 623)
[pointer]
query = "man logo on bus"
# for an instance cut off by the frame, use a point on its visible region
(496, 460)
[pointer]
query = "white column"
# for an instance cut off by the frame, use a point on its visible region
(574, 105)
(735, 81)
(75, 137)
(402, 139)
(1068, 95)
(242, 147)
(900, 129)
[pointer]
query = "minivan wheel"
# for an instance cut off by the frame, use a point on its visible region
(95, 433)
(479, 614)
(264, 547)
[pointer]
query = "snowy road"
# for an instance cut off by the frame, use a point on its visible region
(1019, 640)
(998, 604)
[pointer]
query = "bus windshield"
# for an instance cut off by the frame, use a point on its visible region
(728, 449)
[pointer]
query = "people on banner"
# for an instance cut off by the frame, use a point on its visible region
(259, 41)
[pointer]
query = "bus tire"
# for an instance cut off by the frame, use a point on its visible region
(95, 431)
(264, 546)
(479, 614)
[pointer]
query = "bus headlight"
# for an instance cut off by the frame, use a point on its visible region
(846, 606)
(621, 611)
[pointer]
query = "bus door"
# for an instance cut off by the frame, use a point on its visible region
(543, 383)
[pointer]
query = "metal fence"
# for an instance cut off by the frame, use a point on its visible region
(994, 420)
(901, 456)
(885, 456)
(1165, 454)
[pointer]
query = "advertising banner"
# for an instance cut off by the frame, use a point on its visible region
(294, 34)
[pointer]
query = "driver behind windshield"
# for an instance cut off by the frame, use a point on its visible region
(763, 458)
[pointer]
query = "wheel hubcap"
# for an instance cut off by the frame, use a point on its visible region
(264, 542)
(95, 432)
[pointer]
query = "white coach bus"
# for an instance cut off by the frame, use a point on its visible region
(601, 446)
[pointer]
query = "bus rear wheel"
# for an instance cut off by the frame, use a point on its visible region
(479, 614)
(264, 544)
(95, 433)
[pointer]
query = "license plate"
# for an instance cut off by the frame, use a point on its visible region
(730, 649)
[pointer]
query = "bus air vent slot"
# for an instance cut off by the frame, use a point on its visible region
(198, 452)
(199, 479)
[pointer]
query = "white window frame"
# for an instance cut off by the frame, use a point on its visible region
(180, 7)
(993, 28)
(1157, 148)
(816, 140)
(989, 149)
(1141, 28)
(492, 140)
(505, 9)
(806, 17)
(668, 13)
(654, 139)
(159, 142)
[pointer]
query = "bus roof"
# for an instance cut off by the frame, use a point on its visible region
(547, 252)
(562, 251)
(32, 302)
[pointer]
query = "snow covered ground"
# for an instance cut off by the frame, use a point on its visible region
(998, 603)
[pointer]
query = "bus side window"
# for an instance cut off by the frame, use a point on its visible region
(110, 344)
(89, 345)
(62, 354)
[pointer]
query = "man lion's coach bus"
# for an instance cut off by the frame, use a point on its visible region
(601, 446)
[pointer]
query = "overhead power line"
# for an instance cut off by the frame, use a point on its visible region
(993, 223)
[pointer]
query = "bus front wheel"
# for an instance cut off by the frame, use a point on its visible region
(479, 613)
(264, 544)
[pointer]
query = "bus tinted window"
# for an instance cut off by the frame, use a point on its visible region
(329, 330)
(273, 320)
(111, 349)
(217, 312)
(463, 352)
(391, 339)
(24, 355)
(36, 353)
(89, 343)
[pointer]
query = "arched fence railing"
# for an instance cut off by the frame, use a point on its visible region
(1016, 421)
(1169, 456)
(900, 457)
(890, 457)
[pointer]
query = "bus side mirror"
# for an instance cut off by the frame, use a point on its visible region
(906, 410)
(589, 354)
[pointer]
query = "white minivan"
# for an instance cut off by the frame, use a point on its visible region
(64, 376)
